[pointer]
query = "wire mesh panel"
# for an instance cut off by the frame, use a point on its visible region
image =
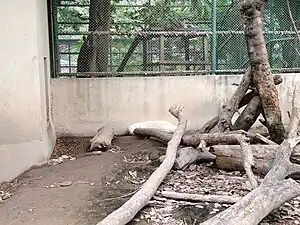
(119, 37)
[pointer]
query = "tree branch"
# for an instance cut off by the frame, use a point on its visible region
(127, 211)
(248, 162)
(199, 198)
(293, 22)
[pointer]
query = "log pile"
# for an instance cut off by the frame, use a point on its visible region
(224, 139)
(232, 149)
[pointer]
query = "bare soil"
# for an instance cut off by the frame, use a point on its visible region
(100, 184)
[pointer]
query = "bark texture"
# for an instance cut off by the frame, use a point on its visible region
(247, 98)
(260, 69)
(248, 162)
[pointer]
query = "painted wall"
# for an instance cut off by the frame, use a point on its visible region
(81, 106)
(26, 134)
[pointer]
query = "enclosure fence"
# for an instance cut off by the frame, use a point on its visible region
(94, 38)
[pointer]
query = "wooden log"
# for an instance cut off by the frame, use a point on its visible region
(230, 157)
(102, 140)
(264, 139)
(228, 111)
(211, 138)
(249, 115)
(275, 189)
(129, 209)
(189, 155)
(252, 208)
(156, 133)
(248, 160)
(252, 110)
(153, 124)
(192, 139)
(200, 198)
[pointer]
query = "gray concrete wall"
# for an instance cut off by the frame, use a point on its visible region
(83, 105)
(26, 134)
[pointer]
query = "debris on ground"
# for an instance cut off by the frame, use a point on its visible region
(59, 160)
(4, 196)
(134, 170)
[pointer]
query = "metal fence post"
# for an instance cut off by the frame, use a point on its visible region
(214, 38)
(56, 60)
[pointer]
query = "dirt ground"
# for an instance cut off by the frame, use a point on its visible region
(83, 190)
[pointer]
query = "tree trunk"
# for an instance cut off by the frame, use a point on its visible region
(93, 55)
(260, 68)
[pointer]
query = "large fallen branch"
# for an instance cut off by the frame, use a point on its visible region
(248, 160)
(102, 140)
(230, 157)
(221, 123)
(275, 189)
(189, 155)
(193, 139)
(127, 211)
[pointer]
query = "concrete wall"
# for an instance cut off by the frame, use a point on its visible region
(83, 105)
(26, 134)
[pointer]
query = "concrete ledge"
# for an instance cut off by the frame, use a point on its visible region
(81, 106)
(17, 158)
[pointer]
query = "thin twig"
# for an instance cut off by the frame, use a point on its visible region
(123, 196)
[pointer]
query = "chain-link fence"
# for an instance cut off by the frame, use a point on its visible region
(166, 37)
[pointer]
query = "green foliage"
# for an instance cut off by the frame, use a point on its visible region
(184, 14)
